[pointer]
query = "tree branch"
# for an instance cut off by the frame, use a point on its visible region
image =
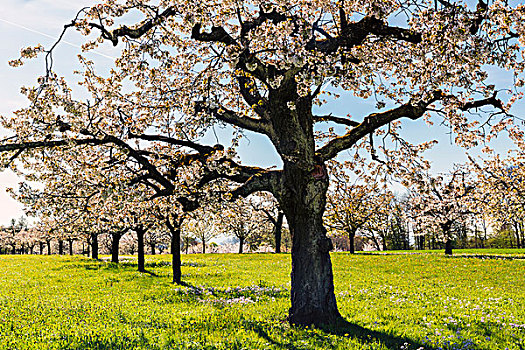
(338, 120)
(373, 122)
(354, 34)
(216, 35)
(144, 162)
(51, 144)
(202, 149)
(230, 117)
(269, 181)
(135, 33)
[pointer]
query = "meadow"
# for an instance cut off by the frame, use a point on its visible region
(401, 301)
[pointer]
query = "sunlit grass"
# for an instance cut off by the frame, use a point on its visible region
(241, 301)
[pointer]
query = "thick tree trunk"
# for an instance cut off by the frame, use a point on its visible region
(278, 231)
(60, 247)
(94, 246)
(241, 244)
(48, 247)
(41, 247)
(140, 248)
(152, 245)
(312, 289)
(115, 246)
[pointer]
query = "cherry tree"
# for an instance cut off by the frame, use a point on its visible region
(267, 204)
(356, 195)
(245, 222)
(13, 235)
(502, 185)
(203, 226)
(439, 202)
(266, 67)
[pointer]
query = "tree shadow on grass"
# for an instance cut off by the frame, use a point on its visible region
(348, 330)
(391, 341)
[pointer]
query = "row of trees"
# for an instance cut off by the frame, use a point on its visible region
(197, 236)
(476, 205)
(473, 206)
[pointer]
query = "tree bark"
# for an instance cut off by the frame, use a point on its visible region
(60, 247)
(70, 246)
(48, 247)
(446, 232)
(152, 245)
(448, 246)
(115, 245)
(203, 246)
(140, 248)
(278, 231)
(351, 238)
(94, 246)
(41, 247)
(312, 287)
(175, 250)
(241, 244)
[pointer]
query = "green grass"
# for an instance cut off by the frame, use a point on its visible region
(476, 251)
(241, 301)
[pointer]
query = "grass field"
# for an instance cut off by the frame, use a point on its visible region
(240, 302)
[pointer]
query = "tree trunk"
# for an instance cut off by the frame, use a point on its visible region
(41, 246)
(94, 246)
(140, 247)
(48, 247)
(484, 234)
(383, 240)
(203, 246)
(152, 245)
(278, 231)
(351, 239)
(517, 234)
(175, 250)
(312, 289)
(448, 246)
(70, 241)
(446, 232)
(115, 245)
(241, 244)
(60, 247)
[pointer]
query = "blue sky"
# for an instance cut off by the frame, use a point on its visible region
(29, 22)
